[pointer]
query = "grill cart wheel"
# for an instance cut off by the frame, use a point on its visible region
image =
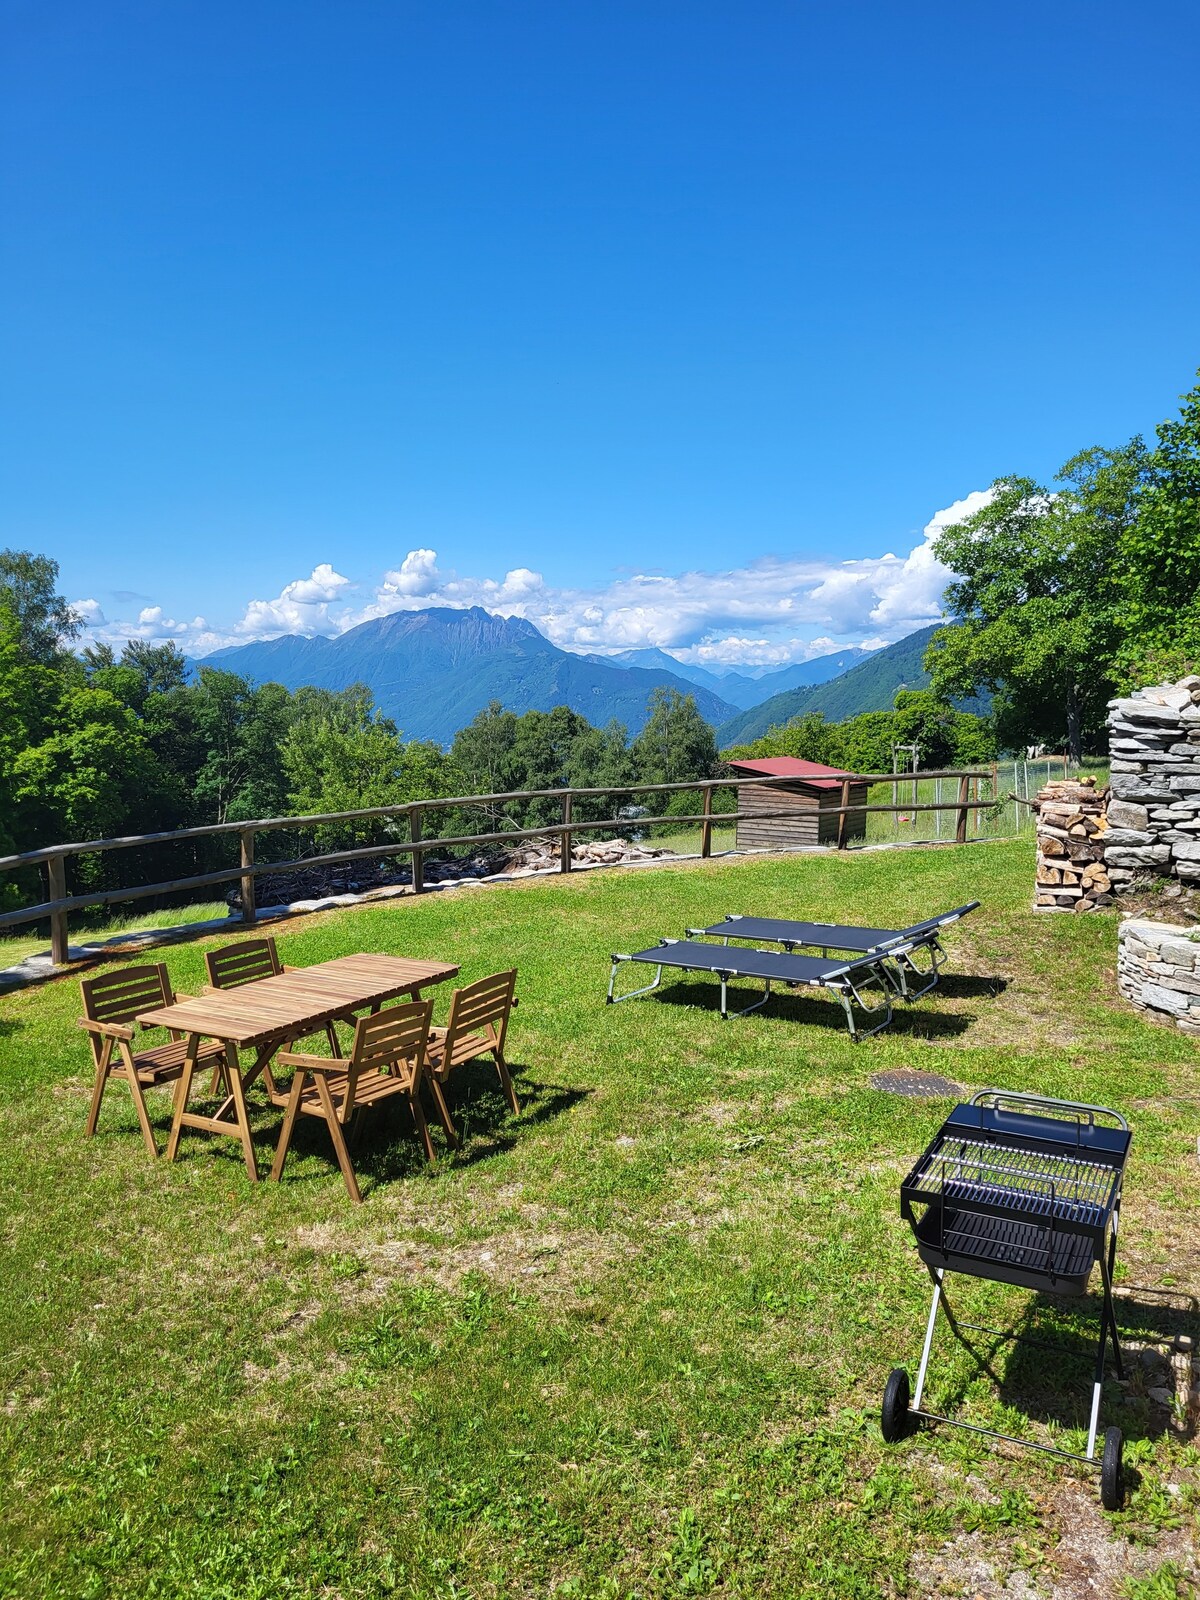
(1112, 1476)
(894, 1416)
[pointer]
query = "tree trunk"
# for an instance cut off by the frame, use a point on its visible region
(1074, 726)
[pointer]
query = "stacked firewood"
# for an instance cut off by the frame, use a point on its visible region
(1071, 824)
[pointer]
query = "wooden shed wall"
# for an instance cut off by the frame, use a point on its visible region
(812, 816)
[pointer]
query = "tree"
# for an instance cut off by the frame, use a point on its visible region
(1036, 609)
(240, 728)
(45, 622)
(676, 744)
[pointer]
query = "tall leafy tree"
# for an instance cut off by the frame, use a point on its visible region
(676, 743)
(46, 624)
(1035, 606)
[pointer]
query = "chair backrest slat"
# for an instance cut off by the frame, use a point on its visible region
(119, 996)
(485, 1002)
(245, 962)
(394, 1039)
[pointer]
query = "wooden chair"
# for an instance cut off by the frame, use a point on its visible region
(248, 961)
(478, 1022)
(386, 1062)
(110, 1004)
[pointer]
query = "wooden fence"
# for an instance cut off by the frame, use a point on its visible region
(58, 904)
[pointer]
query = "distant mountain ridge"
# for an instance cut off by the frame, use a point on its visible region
(743, 689)
(432, 671)
(872, 685)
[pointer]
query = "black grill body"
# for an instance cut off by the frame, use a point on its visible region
(1024, 1198)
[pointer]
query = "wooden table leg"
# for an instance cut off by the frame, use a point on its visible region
(239, 1104)
(183, 1088)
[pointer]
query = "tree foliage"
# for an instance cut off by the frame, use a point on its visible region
(944, 736)
(1064, 596)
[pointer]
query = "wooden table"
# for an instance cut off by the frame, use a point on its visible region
(267, 1014)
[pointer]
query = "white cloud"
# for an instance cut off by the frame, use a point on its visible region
(769, 612)
(90, 611)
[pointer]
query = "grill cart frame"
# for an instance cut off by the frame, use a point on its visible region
(1026, 1190)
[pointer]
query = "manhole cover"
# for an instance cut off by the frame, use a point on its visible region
(922, 1085)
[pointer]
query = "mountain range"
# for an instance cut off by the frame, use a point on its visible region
(872, 685)
(432, 671)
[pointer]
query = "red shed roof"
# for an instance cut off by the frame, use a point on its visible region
(812, 772)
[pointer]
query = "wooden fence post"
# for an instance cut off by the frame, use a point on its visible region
(842, 815)
(249, 898)
(56, 881)
(706, 825)
(564, 864)
(964, 795)
(418, 856)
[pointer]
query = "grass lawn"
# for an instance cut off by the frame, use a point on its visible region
(631, 1343)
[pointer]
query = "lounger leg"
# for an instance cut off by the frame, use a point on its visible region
(615, 999)
(757, 1006)
(847, 989)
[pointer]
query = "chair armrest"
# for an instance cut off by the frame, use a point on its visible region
(295, 1058)
(109, 1030)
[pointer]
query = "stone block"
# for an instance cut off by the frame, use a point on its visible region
(1186, 850)
(1143, 711)
(1143, 787)
(1183, 783)
(1158, 998)
(1153, 855)
(1126, 836)
(1123, 814)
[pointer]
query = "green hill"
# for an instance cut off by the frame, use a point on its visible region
(870, 686)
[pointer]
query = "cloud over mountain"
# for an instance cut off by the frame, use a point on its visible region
(771, 610)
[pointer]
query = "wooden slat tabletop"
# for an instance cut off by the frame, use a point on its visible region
(297, 1002)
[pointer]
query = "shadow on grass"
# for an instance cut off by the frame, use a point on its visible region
(386, 1147)
(1049, 1378)
(963, 986)
(912, 1021)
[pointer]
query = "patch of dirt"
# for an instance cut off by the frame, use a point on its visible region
(967, 1566)
(1092, 1563)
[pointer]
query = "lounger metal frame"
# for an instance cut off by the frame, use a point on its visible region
(894, 949)
(846, 980)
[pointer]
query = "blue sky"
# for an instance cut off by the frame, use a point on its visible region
(642, 320)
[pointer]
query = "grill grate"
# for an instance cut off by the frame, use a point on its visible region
(1027, 1183)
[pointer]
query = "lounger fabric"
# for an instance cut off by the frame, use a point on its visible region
(830, 935)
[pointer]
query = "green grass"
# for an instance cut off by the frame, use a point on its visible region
(16, 947)
(631, 1343)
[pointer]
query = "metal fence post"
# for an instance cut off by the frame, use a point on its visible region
(249, 899)
(56, 882)
(564, 864)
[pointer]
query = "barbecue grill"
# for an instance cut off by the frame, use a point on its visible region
(1026, 1191)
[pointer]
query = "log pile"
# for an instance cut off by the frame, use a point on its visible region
(1154, 816)
(1071, 829)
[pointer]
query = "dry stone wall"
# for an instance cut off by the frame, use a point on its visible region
(1154, 810)
(1158, 970)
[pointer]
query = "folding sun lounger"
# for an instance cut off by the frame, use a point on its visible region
(844, 978)
(883, 944)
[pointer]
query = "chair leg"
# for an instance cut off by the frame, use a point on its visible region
(422, 1129)
(506, 1081)
(335, 1048)
(139, 1101)
(339, 1143)
(289, 1122)
(102, 1071)
(183, 1088)
(443, 1111)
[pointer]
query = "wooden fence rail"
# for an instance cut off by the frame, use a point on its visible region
(59, 904)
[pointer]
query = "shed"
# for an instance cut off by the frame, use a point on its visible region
(811, 802)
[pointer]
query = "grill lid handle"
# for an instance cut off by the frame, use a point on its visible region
(1078, 1109)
